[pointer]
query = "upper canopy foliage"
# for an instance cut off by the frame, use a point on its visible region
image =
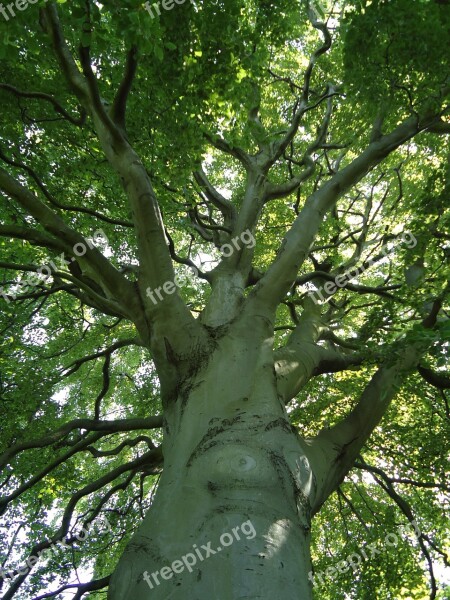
(211, 84)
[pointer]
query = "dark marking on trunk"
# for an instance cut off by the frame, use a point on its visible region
(212, 487)
(166, 427)
(343, 450)
(199, 451)
(291, 486)
(281, 422)
(205, 444)
(170, 354)
(217, 332)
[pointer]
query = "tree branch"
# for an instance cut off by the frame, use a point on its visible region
(286, 189)
(226, 207)
(120, 101)
(52, 199)
(117, 426)
(342, 443)
(406, 510)
(153, 457)
(31, 235)
(72, 368)
(218, 142)
(438, 380)
(81, 588)
(156, 322)
(441, 127)
(114, 282)
(154, 257)
(280, 146)
(41, 96)
(79, 447)
(281, 275)
(302, 358)
(105, 386)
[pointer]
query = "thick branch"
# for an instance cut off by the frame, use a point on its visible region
(31, 235)
(285, 189)
(295, 247)
(120, 101)
(70, 69)
(441, 127)
(302, 358)
(118, 426)
(156, 267)
(116, 284)
(436, 379)
(217, 142)
(96, 103)
(82, 588)
(342, 443)
(226, 207)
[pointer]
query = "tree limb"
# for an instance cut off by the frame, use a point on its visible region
(120, 101)
(218, 142)
(31, 235)
(302, 358)
(342, 443)
(406, 510)
(116, 284)
(152, 457)
(280, 146)
(48, 98)
(82, 588)
(441, 127)
(438, 380)
(226, 207)
(54, 202)
(295, 247)
(117, 426)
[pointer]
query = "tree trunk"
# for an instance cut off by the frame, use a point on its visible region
(236, 476)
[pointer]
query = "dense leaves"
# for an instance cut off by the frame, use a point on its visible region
(206, 69)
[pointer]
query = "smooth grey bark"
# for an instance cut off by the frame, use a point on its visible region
(230, 455)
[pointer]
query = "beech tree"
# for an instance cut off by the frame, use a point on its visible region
(225, 299)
